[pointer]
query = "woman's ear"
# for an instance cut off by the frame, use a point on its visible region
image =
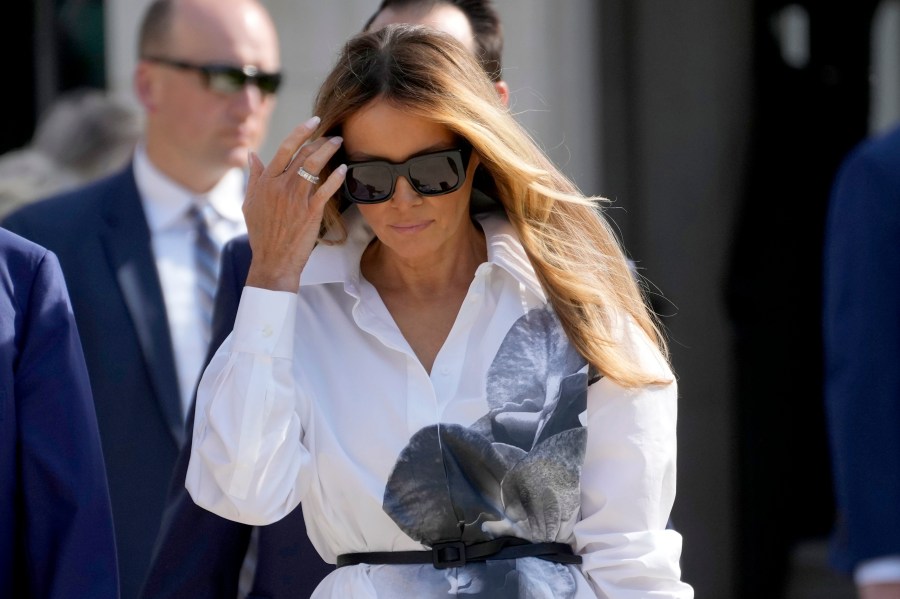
(503, 91)
(474, 161)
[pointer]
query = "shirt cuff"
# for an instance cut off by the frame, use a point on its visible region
(878, 571)
(265, 322)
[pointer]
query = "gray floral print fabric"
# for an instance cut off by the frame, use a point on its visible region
(514, 472)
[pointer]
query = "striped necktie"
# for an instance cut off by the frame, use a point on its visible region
(206, 263)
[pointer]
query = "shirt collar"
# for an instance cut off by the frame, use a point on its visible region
(506, 251)
(165, 202)
(340, 263)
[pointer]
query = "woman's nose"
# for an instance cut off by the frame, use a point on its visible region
(405, 192)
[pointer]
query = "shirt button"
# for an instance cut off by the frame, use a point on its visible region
(444, 371)
(267, 331)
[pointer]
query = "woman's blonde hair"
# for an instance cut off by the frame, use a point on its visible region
(572, 248)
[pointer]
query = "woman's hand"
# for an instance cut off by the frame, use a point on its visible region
(284, 211)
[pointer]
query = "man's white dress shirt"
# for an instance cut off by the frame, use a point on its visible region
(882, 570)
(317, 397)
(172, 233)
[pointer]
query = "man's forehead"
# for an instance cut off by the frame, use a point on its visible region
(443, 17)
(236, 32)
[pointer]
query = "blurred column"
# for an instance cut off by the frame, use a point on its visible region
(810, 107)
(45, 47)
(884, 109)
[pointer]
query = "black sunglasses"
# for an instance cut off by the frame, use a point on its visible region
(224, 78)
(433, 174)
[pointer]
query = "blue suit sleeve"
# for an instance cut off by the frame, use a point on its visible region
(198, 554)
(862, 353)
(70, 542)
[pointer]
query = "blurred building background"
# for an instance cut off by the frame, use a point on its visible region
(716, 128)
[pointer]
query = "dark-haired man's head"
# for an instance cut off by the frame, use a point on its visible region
(475, 23)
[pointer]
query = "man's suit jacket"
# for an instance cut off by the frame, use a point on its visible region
(101, 237)
(56, 531)
(862, 350)
(199, 554)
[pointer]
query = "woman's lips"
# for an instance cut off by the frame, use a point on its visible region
(408, 228)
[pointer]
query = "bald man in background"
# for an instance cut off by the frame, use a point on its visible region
(200, 555)
(139, 250)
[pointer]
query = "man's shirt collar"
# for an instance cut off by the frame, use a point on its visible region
(166, 202)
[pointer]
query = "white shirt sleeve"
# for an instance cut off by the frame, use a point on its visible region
(247, 461)
(881, 570)
(628, 488)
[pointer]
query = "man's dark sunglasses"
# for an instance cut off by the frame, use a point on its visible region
(224, 78)
(433, 174)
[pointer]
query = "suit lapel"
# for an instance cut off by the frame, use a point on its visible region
(128, 247)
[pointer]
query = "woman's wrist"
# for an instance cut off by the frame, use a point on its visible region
(274, 279)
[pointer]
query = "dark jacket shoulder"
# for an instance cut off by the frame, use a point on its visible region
(82, 209)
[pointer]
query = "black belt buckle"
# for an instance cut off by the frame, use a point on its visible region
(451, 554)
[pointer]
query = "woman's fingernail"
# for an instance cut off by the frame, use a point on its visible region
(336, 140)
(341, 169)
(312, 123)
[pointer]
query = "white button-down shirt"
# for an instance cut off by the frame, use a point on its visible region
(316, 396)
(166, 205)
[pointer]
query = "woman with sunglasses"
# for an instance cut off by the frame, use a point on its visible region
(441, 352)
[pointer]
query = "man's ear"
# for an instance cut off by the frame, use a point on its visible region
(503, 91)
(145, 85)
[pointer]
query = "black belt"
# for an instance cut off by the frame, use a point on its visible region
(455, 554)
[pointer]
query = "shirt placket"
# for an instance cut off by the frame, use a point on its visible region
(371, 316)
(449, 364)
